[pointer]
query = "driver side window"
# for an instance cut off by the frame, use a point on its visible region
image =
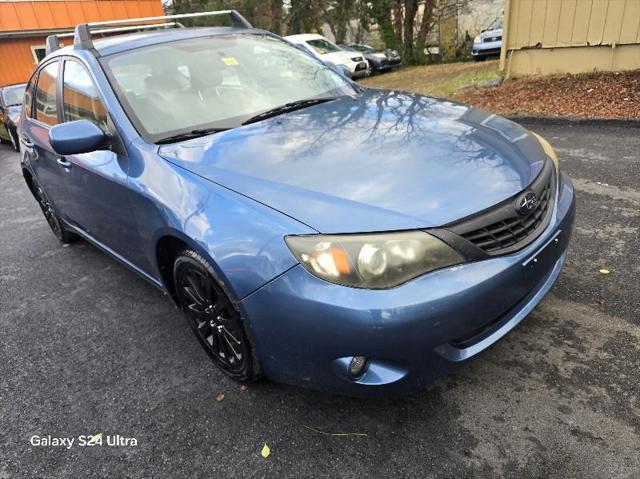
(80, 96)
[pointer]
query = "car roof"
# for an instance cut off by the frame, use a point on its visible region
(303, 37)
(121, 43)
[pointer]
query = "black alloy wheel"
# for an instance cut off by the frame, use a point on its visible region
(213, 317)
(51, 216)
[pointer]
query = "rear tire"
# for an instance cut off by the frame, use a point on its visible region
(54, 221)
(213, 317)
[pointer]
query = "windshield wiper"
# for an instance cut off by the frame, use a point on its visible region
(291, 106)
(197, 133)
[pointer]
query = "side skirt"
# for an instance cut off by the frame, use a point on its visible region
(80, 232)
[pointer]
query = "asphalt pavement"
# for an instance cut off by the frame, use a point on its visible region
(87, 347)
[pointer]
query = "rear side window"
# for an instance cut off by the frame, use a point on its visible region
(28, 98)
(46, 109)
(80, 96)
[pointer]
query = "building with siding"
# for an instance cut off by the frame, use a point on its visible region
(24, 26)
(570, 36)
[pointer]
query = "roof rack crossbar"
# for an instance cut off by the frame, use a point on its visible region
(82, 37)
(82, 32)
(131, 28)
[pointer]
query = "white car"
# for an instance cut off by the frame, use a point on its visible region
(353, 62)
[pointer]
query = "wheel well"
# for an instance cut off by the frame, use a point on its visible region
(166, 253)
(29, 180)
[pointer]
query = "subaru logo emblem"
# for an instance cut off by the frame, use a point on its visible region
(526, 203)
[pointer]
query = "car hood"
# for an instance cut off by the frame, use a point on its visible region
(380, 162)
(340, 57)
(13, 112)
(491, 34)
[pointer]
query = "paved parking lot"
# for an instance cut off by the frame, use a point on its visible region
(88, 347)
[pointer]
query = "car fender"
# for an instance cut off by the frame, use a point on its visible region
(242, 238)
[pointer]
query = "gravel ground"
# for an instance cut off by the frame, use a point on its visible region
(88, 347)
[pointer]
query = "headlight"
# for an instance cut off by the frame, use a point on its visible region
(477, 39)
(548, 149)
(374, 261)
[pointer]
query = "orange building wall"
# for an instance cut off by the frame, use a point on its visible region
(16, 59)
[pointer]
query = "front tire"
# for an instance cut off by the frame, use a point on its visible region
(215, 320)
(54, 221)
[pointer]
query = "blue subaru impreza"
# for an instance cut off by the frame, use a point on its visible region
(314, 231)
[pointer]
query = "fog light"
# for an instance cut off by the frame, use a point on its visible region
(356, 367)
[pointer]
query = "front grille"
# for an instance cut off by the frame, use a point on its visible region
(511, 231)
(491, 39)
(502, 229)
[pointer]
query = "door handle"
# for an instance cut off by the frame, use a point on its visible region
(64, 163)
(27, 143)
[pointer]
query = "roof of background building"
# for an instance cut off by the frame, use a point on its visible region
(25, 18)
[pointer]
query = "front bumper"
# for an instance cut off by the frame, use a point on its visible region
(306, 330)
(359, 70)
(486, 49)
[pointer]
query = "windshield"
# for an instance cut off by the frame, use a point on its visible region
(496, 24)
(323, 46)
(13, 95)
(215, 82)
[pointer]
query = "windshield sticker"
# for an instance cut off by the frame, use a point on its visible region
(230, 61)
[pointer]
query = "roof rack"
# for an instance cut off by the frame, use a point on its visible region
(82, 34)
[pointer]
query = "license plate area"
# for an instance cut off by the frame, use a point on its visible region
(541, 262)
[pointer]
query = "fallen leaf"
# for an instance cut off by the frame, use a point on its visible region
(96, 437)
(243, 387)
(265, 451)
(219, 397)
(604, 271)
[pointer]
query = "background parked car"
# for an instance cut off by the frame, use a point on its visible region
(489, 42)
(10, 107)
(327, 51)
(379, 60)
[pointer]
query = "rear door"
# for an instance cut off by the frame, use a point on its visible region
(35, 136)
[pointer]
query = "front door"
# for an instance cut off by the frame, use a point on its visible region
(96, 196)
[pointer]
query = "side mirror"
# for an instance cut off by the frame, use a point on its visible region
(76, 137)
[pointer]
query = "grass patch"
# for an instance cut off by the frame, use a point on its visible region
(436, 80)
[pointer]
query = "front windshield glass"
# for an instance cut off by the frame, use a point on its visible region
(496, 24)
(323, 46)
(13, 95)
(216, 82)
